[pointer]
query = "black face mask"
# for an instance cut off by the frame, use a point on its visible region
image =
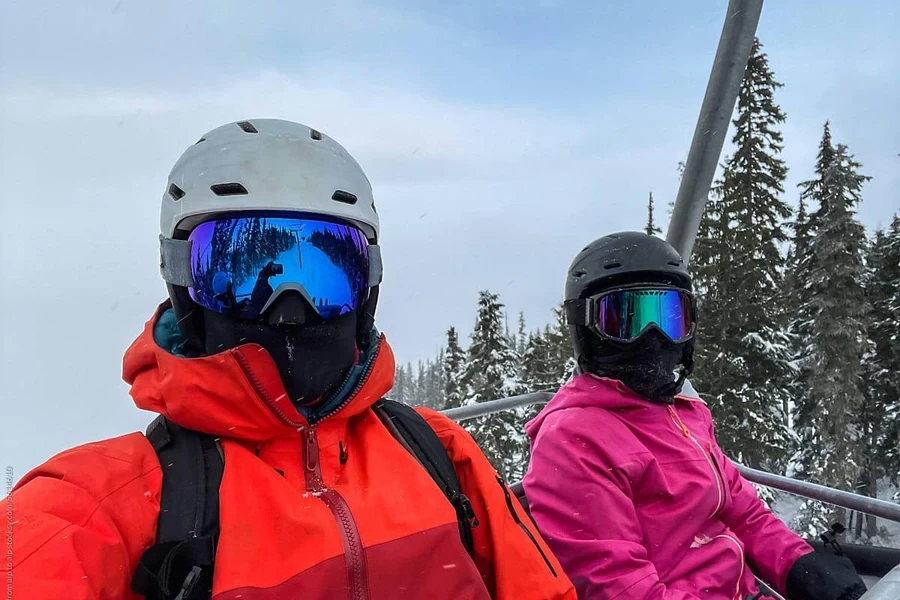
(646, 366)
(312, 356)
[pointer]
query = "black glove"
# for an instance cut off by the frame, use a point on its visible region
(823, 575)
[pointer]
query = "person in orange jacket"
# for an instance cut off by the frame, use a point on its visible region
(317, 497)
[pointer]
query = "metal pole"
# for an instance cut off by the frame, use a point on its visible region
(864, 504)
(482, 409)
(722, 91)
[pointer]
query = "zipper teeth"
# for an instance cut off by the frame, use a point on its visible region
(341, 511)
(515, 515)
(737, 591)
(720, 483)
(339, 507)
(254, 381)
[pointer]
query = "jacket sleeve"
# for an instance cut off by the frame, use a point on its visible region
(771, 547)
(511, 556)
(80, 522)
(582, 502)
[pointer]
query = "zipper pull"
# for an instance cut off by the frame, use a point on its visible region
(465, 505)
(312, 454)
(679, 422)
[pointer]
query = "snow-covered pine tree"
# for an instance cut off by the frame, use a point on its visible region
(521, 337)
(534, 362)
(399, 391)
(827, 416)
(435, 386)
(490, 374)
(743, 351)
(651, 228)
(420, 396)
(562, 360)
(881, 370)
(888, 348)
(800, 263)
(454, 371)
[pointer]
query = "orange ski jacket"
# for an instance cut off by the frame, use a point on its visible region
(333, 510)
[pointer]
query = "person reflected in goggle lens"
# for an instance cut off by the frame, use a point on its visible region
(240, 265)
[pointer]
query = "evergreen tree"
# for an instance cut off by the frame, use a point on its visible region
(490, 374)
(521, 337)
(743, 350)
(436, 383)
(535, 362)
(454, 371)
(548, 362)
(651, 228)
(421, 389)
(399, 391)
(827, 415)
(881, 370)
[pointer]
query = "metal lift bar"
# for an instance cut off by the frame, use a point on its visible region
(712, 125)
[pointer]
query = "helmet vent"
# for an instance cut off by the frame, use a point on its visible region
(612, 265)
(345, 197)
(248, 127)
(200, 140)
(176, 192)
(580, 273)
(316, 135)
(674, 264)
(229, 189)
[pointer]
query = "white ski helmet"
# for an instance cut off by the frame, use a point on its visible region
(262, 165)
(266, 164)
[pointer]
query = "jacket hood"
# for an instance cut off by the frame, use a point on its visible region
(591, 391)
(237, 393)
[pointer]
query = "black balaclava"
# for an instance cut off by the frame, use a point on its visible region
(647, 366)
(313, 356)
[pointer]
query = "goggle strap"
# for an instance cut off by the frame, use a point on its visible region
(175, 261)
(578, 312)
(376, 267)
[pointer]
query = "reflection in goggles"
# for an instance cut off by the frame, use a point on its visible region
(240, 265)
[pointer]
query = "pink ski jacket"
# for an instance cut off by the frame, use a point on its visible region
(637, 501)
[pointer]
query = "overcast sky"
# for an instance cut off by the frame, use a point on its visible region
(499, 137)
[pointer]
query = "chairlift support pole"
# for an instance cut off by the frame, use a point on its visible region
(722, 91)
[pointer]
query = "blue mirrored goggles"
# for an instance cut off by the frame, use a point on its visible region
(239, 265)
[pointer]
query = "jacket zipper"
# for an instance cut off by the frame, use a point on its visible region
(515, 516)
(354, 554)
(720, 483)
(353, 548)
(737, 591)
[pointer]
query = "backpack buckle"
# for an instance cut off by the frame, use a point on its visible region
(190, 582)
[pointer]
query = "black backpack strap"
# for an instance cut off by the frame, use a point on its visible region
(416, 435)
(180, 565)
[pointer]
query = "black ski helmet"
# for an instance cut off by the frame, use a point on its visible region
(621, 259)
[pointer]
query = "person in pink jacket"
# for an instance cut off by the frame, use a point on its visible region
(626, 482)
